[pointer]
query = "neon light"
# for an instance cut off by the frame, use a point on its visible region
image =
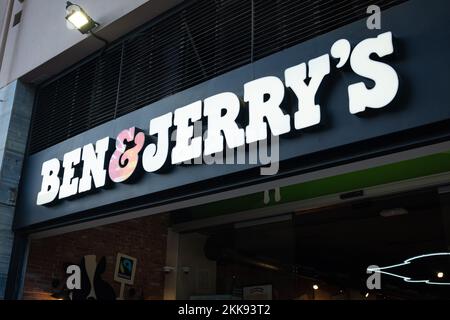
(408, 262)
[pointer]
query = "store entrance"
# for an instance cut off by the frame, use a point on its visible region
(323, 253)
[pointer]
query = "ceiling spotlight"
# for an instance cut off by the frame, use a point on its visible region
(367, 295)
(393, 212)
(440, 275)
(79, 18)
(315, 287)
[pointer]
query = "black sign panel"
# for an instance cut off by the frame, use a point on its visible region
(421, 60)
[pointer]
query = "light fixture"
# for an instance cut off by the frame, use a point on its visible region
(168, 269)
(367, 295)
(393, 212)
(315, 287)
(382, 270)
(62, 294)
(79, 18)
(440, 275)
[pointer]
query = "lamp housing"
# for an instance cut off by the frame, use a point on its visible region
(77, 17)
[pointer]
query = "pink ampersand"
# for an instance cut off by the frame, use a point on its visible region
(123, 162)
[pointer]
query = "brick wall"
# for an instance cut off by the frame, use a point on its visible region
(144, 239)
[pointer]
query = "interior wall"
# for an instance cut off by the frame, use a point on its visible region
(196, 274)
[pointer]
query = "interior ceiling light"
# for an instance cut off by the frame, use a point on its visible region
(393, 212)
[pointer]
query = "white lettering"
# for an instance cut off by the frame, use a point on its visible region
(94, 171)
(214, 106)
(255, 93)
(223, 135)
(187, 147)
(308, 113)
(155, 154)
(69, 186)
(385, 77)
(50, 182)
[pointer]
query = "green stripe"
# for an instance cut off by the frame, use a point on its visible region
(405, 170)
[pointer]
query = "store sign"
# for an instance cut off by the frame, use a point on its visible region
(136, 151)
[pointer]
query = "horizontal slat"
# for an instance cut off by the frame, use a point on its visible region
(200, 41)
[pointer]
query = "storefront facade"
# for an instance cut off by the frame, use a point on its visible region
(243, 149)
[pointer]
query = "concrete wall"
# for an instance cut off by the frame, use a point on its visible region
(3, 7)
(42, 33)
(16, 102)
(6, 242)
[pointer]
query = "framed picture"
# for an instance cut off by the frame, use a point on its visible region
(258, 292)
(125, 269)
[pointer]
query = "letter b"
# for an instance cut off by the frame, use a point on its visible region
(50, 182)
